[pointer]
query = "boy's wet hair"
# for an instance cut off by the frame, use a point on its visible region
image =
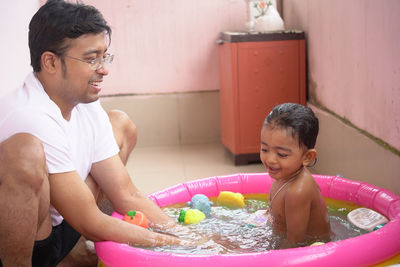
(57, 20)
(298, 120)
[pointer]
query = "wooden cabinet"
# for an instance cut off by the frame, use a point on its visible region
(257, 72)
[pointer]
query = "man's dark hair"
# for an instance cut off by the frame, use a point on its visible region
(298, 120)
(57, 20)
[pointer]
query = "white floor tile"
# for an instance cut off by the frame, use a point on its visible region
(155, 168)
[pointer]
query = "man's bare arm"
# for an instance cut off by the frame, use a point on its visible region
(75, 202)
(114, 180)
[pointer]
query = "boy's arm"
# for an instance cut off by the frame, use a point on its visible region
(114, 180)
(75, 202)
(297, 213)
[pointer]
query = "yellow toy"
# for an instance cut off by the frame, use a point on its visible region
(317, 244)
(191, 216)
(230, 199)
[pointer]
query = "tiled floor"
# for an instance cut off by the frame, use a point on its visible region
(155, 168)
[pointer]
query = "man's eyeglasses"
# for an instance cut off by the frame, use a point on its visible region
(96, 63)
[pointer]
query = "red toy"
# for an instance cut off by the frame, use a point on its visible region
(136, 217)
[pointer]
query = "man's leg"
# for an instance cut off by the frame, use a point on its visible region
(24, 198)
(125, 134)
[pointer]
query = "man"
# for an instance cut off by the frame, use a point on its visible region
(59, 148)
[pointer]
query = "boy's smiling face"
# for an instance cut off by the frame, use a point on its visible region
(280, 152)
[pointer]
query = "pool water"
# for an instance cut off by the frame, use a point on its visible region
(228, 232)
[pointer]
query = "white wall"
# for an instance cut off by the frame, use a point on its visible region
(15, 60)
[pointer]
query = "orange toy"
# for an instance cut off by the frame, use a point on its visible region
(136, 217)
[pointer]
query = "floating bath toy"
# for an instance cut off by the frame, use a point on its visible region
(316, 244)
(258, 218)
(202, 203)
(136, 217)
(191, 216)
(367, 219)
(230, 199)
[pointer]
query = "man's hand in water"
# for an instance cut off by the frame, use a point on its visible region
(189, 237)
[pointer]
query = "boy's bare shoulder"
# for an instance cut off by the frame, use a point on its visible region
(303, 187)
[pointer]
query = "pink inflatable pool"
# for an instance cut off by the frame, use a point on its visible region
(368, 249)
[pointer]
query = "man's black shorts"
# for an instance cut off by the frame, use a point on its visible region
(50, 251)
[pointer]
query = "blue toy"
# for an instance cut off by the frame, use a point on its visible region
(202, 203)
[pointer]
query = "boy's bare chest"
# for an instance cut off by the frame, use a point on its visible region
(277, 213)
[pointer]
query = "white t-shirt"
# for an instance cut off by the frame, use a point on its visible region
(69, 145)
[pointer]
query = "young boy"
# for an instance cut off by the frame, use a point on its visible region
(296, 206)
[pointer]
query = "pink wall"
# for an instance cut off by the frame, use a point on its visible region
(15, 59)
(354, 60)
(167, 46)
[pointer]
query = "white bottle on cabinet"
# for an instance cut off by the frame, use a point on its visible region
(262, 15)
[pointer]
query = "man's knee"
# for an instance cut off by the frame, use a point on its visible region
(23, 160)
(124, 129)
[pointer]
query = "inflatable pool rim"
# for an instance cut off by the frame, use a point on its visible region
(367, 249)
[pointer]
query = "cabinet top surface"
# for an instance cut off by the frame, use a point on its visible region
(245, 36)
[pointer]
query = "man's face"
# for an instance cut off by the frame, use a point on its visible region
(80, 83)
